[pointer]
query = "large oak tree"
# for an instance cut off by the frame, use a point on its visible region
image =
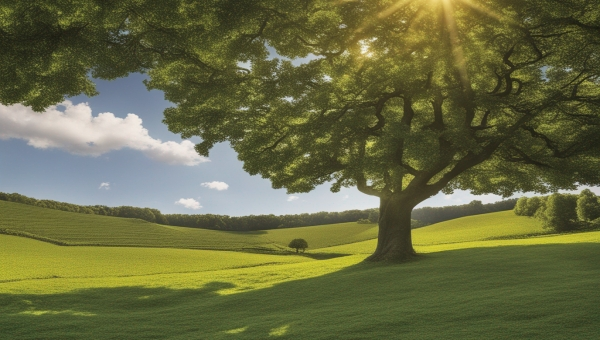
(400, 98)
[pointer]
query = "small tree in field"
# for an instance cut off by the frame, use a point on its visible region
(560, 214)
(298, 243)
(533, 205)
(588, 207)
(521, 207)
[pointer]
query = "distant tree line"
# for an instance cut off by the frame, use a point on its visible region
(562, 212)
(146, 214)
(421, 216)
(264, 222)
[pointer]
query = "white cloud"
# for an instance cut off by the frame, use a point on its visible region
(104, 185)
(346, 197)
(189, 203)
(292, 198)
(76, 130)
(216, 185)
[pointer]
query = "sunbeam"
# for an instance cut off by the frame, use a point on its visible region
(457, 51)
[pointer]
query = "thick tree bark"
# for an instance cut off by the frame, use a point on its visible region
(394, 242)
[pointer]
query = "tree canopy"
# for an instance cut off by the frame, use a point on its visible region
(298, 243)
(401, 99)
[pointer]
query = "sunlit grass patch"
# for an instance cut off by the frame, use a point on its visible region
(279, 331)
(239, 272)
(39, 262)
(236, 330)
(55, 312)
(534, 292)
(477, 228)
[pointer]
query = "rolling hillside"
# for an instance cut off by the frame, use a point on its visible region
(477, 284)
(78, 229)
(67, 228)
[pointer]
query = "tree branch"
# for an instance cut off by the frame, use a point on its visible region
(379, 108)
(484, 122)
(438, 118)
(407, 117)
(261, 29)
(277, 142)
(524, 158)
(361, 185)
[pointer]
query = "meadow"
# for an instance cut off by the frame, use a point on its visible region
(66, 228)
(494, 276)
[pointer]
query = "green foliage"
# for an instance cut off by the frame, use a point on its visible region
(588, 206)
(417, 224)
(595, 224)
(52, 48)
(348, 115)
(560, 214)
(528, 206)
(298, 243)
(521, 207)
(264, 222)
(533, 205)
(364, 221)
(398, 98)
(373, 216)
(541, 212)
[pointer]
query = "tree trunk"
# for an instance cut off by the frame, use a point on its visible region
(394, 242)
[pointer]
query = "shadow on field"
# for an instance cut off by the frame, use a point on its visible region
(241, 232)
(533, 292)
(311, 255)
(321, 256)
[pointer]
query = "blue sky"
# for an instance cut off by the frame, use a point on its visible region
(134, 160)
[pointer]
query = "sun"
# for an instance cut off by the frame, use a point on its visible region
(447, 9)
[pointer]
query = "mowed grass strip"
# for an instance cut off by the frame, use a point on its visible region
(547, 291)
(80, 229)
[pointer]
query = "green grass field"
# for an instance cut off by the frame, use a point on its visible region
(80, 229)
(479, 277)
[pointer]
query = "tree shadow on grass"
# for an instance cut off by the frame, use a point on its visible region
(322, 256)
(248, 232)
(311, 255)
(543, 291)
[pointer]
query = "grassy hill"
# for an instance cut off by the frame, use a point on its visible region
(480, 277)
(78, 229)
